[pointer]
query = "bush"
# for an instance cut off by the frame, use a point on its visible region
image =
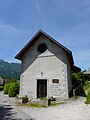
(88, 97)
(13, 89)
(6, 88)
(78, 78)
(86, 86)
(1, 88)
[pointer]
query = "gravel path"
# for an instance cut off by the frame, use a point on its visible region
(9, 111)
(73, 110)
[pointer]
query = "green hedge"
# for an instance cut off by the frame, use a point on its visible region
(13, 89)
(1, 88)
(6, 88)
(88, 97)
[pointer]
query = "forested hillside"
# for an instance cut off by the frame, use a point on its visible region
(11, 70)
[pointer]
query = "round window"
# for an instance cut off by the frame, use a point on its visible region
(42, 48)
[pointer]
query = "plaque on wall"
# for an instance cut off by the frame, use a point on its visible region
(55, 80)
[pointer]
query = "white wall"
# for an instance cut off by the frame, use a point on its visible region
(53, 64)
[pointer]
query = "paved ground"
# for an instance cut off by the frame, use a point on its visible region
(72, 110)
(9, 111)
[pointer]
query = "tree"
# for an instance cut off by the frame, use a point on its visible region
(78, 78)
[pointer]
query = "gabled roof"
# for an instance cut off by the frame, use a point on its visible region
(35, 38)
(75, 69)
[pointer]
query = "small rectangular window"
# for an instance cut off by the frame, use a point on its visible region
(55, 80)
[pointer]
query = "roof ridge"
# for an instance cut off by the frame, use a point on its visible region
(34, 38)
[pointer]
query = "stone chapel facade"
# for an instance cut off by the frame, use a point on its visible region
(46, 68)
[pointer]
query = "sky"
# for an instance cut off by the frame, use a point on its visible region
(67, 21)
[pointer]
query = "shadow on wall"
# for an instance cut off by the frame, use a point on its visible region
(32, 59)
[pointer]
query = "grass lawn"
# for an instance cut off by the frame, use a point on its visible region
(40, 105)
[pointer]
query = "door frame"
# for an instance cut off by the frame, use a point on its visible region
(39, 82)
(47, 85)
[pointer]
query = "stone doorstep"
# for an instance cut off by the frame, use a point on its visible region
(39, 101)
(34, 100)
